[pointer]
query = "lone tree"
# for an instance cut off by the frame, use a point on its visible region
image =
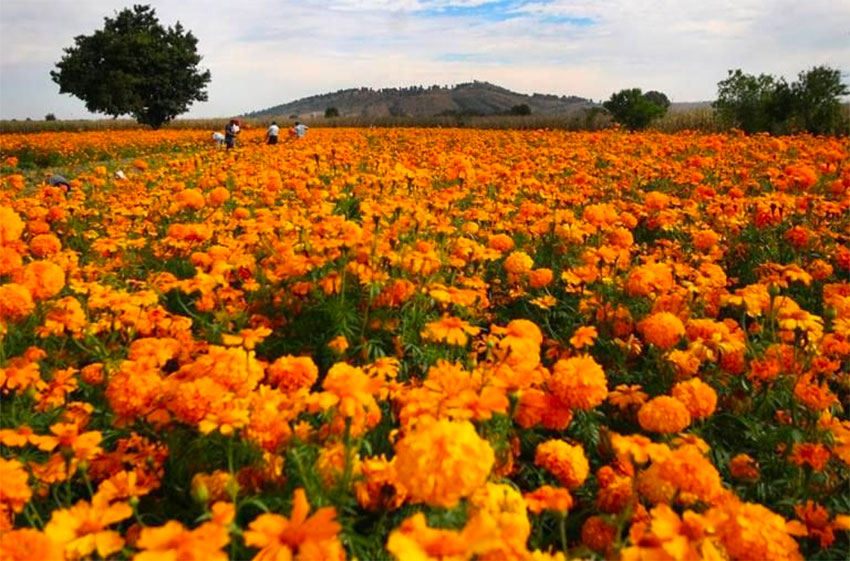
(634, 109)
(331, 112)
(134, 66)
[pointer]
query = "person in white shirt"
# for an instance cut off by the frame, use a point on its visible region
(299, 130)
(272, 133)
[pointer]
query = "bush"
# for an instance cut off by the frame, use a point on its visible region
(50, 117)
(634, 109)
(522, 109)
(331, 112)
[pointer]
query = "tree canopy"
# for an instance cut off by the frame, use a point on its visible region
(635, 109)
(134, 66)
(764, 103)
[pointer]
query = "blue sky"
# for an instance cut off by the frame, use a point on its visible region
(266, 52)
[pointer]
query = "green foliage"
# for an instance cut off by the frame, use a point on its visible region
(634, 109)
(764, 103)
(50, 117)
(331, 112)
(522, 109)
(134, 66)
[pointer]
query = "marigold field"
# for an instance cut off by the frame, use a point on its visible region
(425, 344)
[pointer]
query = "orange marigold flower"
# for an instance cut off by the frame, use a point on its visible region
(82, 529)
(548, 498)
(816, 519)
(579, 382)
(744, 467)
(518, 263)
(300, 536)
(28, 544)
(440, 462)
(450, 329)
(664, 414)
(338, 344)
(11, 226)
(698, 397)
(807, 453)
(584, 336)
(10, 260)
(43, 245)
(501, 242)
(14, 492)
(15, 302)
(42, 278)
(751, 531)
(174, 541)
(625, 396)
(539, 278)
(662, 329)
(289, 373)
(566, 462)
(597, 534)
(218, 196)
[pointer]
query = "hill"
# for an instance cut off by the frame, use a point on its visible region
(473, 98)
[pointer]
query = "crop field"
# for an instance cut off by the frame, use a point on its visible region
(423, 344)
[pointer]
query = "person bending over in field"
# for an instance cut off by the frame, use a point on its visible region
(230, 132)
(299, 130)
(272, 133)
(218, 138)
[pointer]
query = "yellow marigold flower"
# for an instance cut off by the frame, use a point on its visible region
(331, 463)
(502, 507)
(662, 329)
(451, 330)
(566, 462)
(579, 382)
(698, 397)
(664, 414)
(440, 462)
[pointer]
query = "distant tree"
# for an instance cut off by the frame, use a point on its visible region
(134, 66)
(632, 108)
(50, 117)
(747, 102)
(657, 98)
(521, 109)
(331, 112)
(816, 95)
(764, 103)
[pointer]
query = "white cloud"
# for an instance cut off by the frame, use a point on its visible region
(266, 52)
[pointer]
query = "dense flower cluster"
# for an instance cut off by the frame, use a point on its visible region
(427, 344)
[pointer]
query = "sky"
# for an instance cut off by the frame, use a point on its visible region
(263, 53)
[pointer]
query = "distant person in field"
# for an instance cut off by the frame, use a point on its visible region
(272, 133)
(299, 130)
(230, 133)
(218, 138)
